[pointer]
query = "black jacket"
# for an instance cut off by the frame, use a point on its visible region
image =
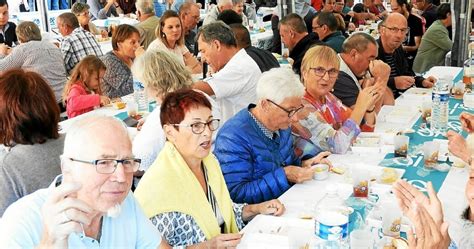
(298, 52)
(264, 59)
(402, 68)
(10, 35)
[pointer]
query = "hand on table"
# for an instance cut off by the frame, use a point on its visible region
(230, 240)
(319, 158)
(62, 215)
(404, 82)
(297, 174)
(104, 100)
(273, 207)
(429, 82)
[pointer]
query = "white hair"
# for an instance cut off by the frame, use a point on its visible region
(82, 129)
(279, 84)
(224, 2)
(145, 6)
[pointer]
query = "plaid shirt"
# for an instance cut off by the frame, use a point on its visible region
(78, 45)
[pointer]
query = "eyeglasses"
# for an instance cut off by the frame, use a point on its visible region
(320, 72)
(108, 166)
(198, 127)
(290, 112)
(396, 30)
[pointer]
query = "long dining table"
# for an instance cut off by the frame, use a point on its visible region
(296, 227)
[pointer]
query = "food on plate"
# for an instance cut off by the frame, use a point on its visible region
(388, 176)
(367, 141)
(337, 170)
(396, 243)
(119, 105)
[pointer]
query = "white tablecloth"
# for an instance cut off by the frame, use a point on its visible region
(300, 199)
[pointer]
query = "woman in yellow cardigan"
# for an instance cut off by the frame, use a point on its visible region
(184, 192)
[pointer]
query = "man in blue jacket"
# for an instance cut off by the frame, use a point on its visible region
(255, 147)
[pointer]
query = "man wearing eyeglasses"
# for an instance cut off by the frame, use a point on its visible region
(392, 33)
(90, 205)
(255, 147)
(414, 32)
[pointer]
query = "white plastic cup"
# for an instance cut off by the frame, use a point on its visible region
(251, 24)
(132, 108)
(360, 185)
(401, 143)
(361, 239)
(426, 109)
(299, 237)
(430, 154)
(391, 219)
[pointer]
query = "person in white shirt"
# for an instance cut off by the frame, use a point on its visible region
(236, 74)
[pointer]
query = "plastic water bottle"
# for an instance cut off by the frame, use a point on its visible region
(260, 20)
(332, 220)
(440, 108)
(140, 96)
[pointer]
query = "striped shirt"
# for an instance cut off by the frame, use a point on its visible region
(42, 57)
(78, 45)
(393, 66)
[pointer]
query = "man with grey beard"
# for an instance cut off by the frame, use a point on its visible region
(90, 204)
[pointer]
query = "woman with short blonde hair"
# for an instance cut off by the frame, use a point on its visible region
(319, 71)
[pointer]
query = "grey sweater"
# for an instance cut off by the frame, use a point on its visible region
(27, 168)
(467, 239)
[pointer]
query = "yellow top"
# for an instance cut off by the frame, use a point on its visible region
(169, 185)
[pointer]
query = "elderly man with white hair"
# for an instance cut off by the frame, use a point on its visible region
(90, 205)
(255, 148)
(148, 21)
(216, 10)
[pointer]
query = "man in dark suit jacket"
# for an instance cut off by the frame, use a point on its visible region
(7, 29)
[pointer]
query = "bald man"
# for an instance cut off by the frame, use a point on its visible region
(393, 32)
(216, 10)
(91, 202)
